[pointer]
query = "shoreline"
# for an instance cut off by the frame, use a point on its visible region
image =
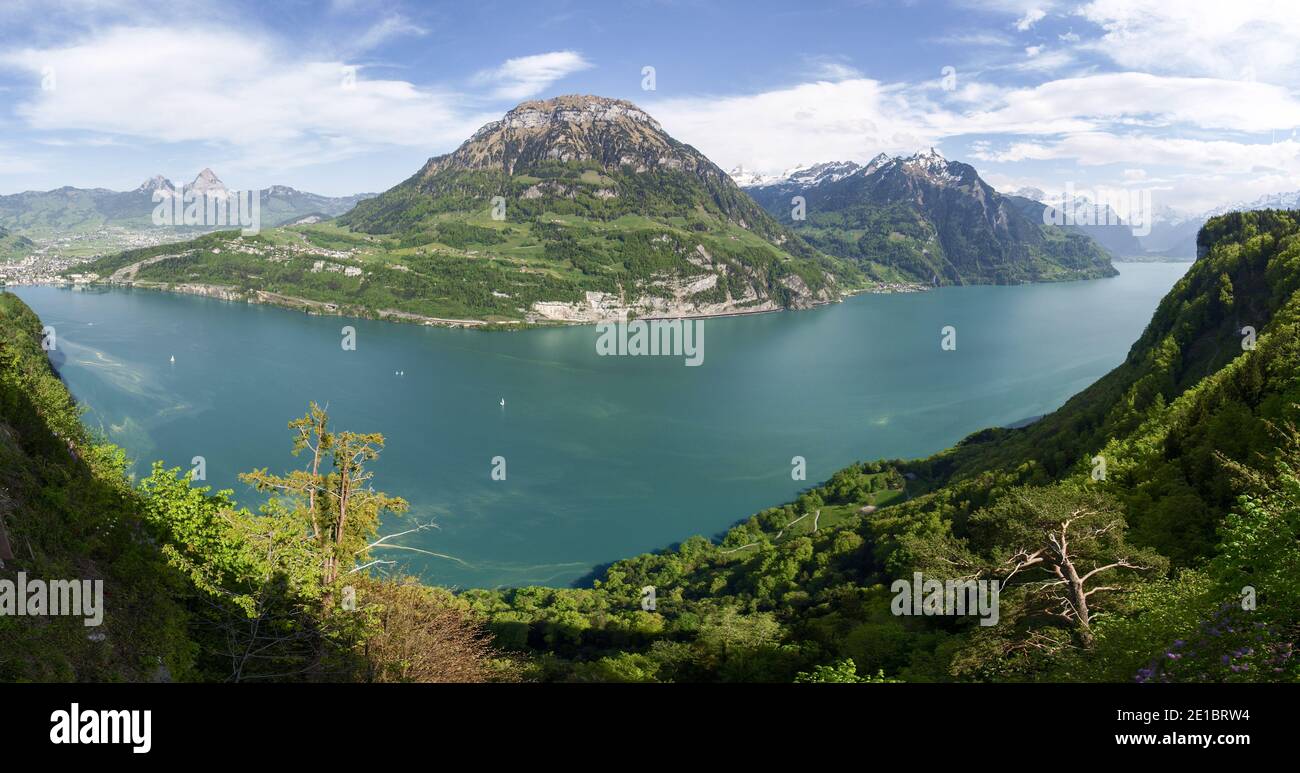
(328, 308)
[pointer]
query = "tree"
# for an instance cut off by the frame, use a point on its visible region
(256, 577)
(332, 496)
(417, 634)
(841, 672)
(1065, 546)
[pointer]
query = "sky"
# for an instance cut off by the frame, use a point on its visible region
(1197, 102)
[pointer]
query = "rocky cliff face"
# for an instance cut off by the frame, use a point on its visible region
(612, 133)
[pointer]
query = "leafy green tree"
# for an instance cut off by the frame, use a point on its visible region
(332, 496)
(841, 672)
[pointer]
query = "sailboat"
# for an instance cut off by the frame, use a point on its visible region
(503, 402)
(173, 358)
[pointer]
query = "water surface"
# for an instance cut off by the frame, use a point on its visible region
(606, 457)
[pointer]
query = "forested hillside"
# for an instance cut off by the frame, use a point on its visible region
(67, 512)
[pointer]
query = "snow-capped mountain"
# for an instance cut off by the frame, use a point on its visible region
(925, 218)
(1289, 200)
(1173, 231)
(1078, 212)
(929, 162)
(802, 176)
(745, 178)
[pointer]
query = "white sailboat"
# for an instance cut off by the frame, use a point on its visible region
(503, 402)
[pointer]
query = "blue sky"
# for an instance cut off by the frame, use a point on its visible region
(1197, 101)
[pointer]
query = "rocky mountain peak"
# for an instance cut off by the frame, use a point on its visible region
(580, 109)
(156, 183)
(1031, 193)
(612, 133)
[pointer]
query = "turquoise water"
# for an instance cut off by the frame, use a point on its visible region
(606, 457)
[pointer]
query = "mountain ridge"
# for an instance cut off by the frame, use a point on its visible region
(925, 218)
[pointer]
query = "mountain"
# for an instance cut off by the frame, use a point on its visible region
(649, 223)
(1097, 221)
(1173, 232)
(1289, 200)
(71, 210)
(577, 208)
(798, 176)
(924, 218)
(13, 246)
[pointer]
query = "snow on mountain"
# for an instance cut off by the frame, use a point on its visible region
(929, 163)
(1289, 200)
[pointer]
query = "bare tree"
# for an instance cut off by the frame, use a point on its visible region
(1066, 546)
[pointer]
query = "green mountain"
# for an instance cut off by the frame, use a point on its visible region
(13, 246)
(929, 220)
(604, 189)
(571, 209)
(71, 210)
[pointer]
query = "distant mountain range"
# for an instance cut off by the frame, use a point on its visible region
(1080, 214)
(582, 208)
(924, 218)
(70, 210)
(1173, 232)
(577, 208)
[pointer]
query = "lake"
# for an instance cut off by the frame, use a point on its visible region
(605, 456)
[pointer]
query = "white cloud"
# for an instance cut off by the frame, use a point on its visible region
(1032, 51)
(387, 28)
(1089, 102)
(1031, 17)
(1201, 37)
(1103, 148)
(775, 130)
(527, 76)
(152, 83)
(827, 68)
